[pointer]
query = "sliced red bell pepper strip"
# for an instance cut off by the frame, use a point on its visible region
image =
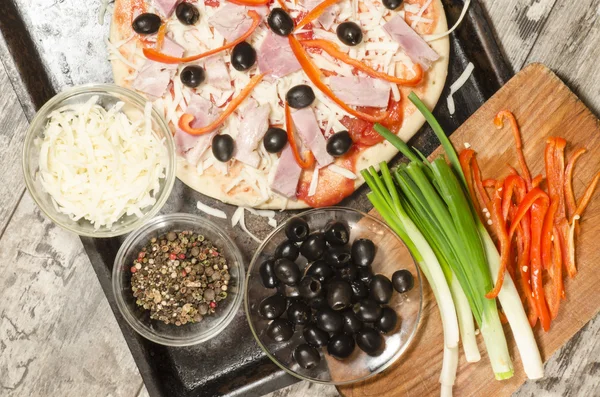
(289, 127)
(498, 120)
(283, 6)
(557, 289)
(465, 158)
(500, 227)
(537, 181)
(314, 74)
(525, 206)
(483, 194)
(547, 232)
(160, 37)
(512, 170)
(569, 194)
(523, 246)
(158, 56)
(333, 50)
(186, 120)
(538, 212)
(489, 182)
(315, 13)
(250, 3)
(512, 184)
(570, 243)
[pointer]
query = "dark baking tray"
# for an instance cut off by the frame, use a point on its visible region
(42, 57)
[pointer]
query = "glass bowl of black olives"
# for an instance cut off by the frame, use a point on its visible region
(333, 296)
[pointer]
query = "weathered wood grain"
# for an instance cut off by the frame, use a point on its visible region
(12, 132)
(58, 336)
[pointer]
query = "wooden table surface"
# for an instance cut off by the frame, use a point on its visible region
(58, 336)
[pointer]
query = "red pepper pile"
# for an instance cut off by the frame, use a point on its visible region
(536, 228)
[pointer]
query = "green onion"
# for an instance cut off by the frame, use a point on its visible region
(508, 296)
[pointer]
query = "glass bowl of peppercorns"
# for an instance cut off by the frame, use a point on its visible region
(178, 280)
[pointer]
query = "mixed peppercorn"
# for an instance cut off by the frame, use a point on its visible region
(180, 278)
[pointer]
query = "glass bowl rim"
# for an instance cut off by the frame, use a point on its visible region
(200, 224)
(137, 100)
(253, 263)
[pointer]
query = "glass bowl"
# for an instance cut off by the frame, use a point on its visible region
(108, 95)
(391, 255)
(139, 318)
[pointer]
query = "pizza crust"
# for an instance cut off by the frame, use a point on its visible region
(214, 184)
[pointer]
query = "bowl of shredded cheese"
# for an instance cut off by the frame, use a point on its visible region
(99, 160)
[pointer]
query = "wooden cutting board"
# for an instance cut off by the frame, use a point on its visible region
(544, 106)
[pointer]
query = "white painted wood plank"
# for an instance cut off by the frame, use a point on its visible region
(12, 131)
(58, 336)
(517, 24)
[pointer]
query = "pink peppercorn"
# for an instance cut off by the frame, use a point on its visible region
(173, 256)
(213, 304)
(133, 269)
(181, 256)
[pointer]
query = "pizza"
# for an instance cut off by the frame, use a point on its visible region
(272, 104)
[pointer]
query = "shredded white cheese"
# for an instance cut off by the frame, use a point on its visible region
(457, 85)
(419, 15)
(210, 210)
(342, 171)
(99, 164)
(434, 37)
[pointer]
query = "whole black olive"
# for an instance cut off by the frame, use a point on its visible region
(365, 274)
(339, 294)
(347, 273)
(392, 4)
(288, 250)
(339, 143)
(319, 302)
(272, 306)
(280, 330)
(310, 287)
(146, 23)
(351, 323)
(300, 96)
(320, 270)
(349, 33)
(369, 341)
(299, 313)
(192, 76)
(280, 22)
(336, 233)
(315, 336)
(243, 56)
(267, 274)
(359, 290)
(403, 281)
(222, 147)
(340, 346)
(307, 356)
(287, 271)
(381, 289)
(314, 246)
(329, 320)
(387, 322)
(337, 256)
(290, 291)
(187, 13)
(275, 140)
(363, 252)
(297, 230)
(367, 310)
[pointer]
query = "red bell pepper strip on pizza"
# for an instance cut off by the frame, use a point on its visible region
(314, 74)
(158, 56)
(289, 127)
(333, 50)
(315, 13)
(185, 122)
